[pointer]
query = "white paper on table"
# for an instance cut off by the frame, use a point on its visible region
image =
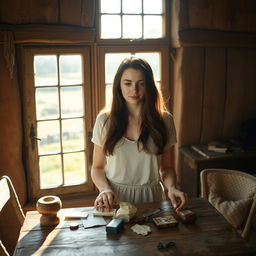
(76, 215)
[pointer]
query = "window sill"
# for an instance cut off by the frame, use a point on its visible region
(73, 200)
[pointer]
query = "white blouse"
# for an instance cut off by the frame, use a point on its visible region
(132, 173)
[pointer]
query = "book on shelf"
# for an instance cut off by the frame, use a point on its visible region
(218, 146)
(203, 150)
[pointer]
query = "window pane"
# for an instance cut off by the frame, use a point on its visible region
(73, 134)
(158, 85)
(112, 62)
(110, 6)
(153, 26)
(132, 26)
(153, 58)
(71, 101)
(74, 168)
(45, 70)
(153, 6)
(47, 103)
(70, 69)
(50, 171)
(49, 133)
(131, 6)
(108, 95)
(110, 26)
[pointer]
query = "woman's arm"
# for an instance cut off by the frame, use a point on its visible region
(106, 197)
(167, 174)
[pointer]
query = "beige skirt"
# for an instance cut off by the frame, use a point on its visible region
(137, 193)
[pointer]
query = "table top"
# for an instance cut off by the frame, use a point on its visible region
(209, 235)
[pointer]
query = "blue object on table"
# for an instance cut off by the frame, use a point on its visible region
(114, 226)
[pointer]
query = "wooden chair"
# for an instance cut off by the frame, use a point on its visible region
(233, 193)
(7, 192)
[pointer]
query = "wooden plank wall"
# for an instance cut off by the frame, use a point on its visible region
(215, 80)
(75, 12)
(218, 92)
(227, 15)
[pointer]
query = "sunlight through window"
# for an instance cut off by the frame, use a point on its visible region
(131, 19)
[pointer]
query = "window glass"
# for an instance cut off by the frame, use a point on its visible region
(153, 6)
(71, 101)
(110, 6)
(70, 70)
(60, 119)
(45, 70)
(132, 26)
(110, 26)
(74, 168)
(113, 60)
(72, 134)
(132, 6)
(50, 171)
(47, 103)
(131, 19)
(48, 132)
(153, 26)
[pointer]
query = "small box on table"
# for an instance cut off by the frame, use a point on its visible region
(114, 226)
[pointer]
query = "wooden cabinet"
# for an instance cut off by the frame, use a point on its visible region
(192, 163)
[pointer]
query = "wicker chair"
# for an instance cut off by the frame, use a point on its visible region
(7, 192)
(232, 193)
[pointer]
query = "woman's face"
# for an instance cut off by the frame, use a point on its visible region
(133, 86)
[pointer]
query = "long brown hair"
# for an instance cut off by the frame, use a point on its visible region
(152, 124)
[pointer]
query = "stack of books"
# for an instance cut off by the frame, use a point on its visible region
(218, 148)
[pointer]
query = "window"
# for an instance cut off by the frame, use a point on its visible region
(111, 57)
(131, 19)
(58, 119)
(64, 88)
(112, 61)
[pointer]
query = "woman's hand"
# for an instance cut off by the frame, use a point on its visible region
(105, 200)
(178, 198)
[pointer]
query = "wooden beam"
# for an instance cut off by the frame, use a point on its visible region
(213, 38)
(49, 33)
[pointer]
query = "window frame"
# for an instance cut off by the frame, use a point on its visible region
(166, 29)
(29, 114)
(102, 50)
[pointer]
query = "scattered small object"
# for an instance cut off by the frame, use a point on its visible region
(141, 229)
(93, 221)
(49, 206)
(150, 213)
(165, 246)
(114, 226)
(76, 215)
(146, 217)
(104, 213)
(165, 221)
(74, 226)
(126, 211)
(186, 216)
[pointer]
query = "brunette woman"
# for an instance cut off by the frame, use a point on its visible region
(133, 140)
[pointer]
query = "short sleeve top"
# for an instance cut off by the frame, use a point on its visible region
(129, 165)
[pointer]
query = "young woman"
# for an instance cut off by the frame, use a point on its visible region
(132, 142)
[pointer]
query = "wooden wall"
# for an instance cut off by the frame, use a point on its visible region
(224, 15)
(217, 92)
(215, 78)
(75, 12)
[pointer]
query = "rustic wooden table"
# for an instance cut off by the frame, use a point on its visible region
(209, 235)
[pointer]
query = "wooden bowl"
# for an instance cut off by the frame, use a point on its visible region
(49, 206)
